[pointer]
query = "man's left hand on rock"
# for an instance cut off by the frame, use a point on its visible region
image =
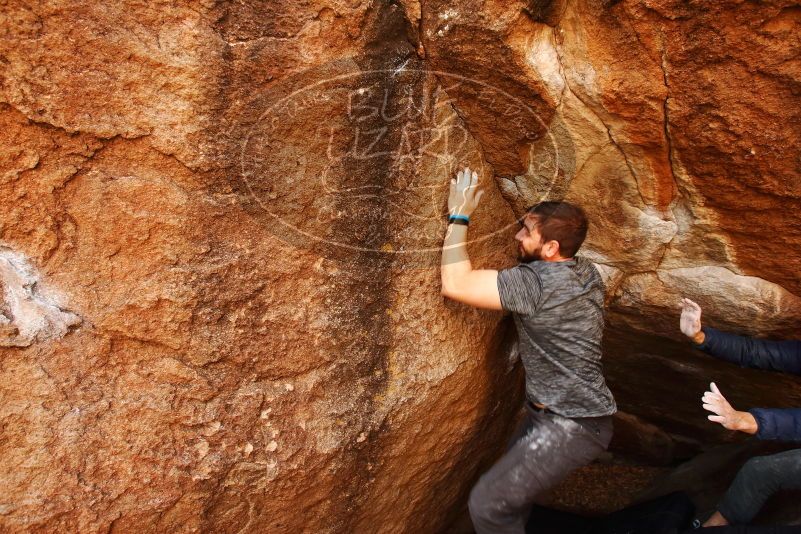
(465, 193)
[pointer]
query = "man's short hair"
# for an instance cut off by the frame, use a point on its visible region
(561, 222)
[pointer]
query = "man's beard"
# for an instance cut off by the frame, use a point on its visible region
(525, 257)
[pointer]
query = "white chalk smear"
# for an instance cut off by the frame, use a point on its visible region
(29, 313)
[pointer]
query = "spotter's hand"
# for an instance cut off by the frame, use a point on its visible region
(690, 321)
(725, 415)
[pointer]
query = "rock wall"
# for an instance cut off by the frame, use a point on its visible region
(220, 229)
(668, 122)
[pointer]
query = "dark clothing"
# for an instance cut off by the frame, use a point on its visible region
(558, 309)
(741, 529)
(773, 423)
(544, 450)
(745, 351)
(763, 476)
(758, 479)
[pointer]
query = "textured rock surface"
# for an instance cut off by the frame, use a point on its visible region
(223, 220)
(670, 124)
(237, 369)
(29, 315)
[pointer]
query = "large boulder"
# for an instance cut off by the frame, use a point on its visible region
(669, 122)
(219, 249)
(220, 268)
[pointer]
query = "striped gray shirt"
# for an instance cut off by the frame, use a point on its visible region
(558, 309)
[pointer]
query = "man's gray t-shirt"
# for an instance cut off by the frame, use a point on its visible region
(558, 309)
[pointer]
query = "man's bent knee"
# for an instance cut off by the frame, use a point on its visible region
(486, 510)
(759, 471)
(479, 502)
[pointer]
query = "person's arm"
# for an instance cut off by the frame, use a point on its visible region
(741, 350)
(724, 414)
(765, 423)
(777, 423)
(460, 282)
(746, 351)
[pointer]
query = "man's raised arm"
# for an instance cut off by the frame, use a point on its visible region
(460, 282)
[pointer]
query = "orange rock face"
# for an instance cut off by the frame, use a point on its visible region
(220, 273)
(220, 236)
(666, 108)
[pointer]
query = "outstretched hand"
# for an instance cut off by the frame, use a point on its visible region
(725, 414)
(690, 322)
(465, 193)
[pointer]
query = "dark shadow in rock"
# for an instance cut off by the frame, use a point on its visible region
(664, 514)
(749, 529)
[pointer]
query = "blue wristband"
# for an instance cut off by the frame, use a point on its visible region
(464, 218)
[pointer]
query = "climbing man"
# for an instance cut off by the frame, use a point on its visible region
(557, 302)
(762, 476)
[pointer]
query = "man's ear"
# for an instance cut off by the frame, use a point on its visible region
(551, 249)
